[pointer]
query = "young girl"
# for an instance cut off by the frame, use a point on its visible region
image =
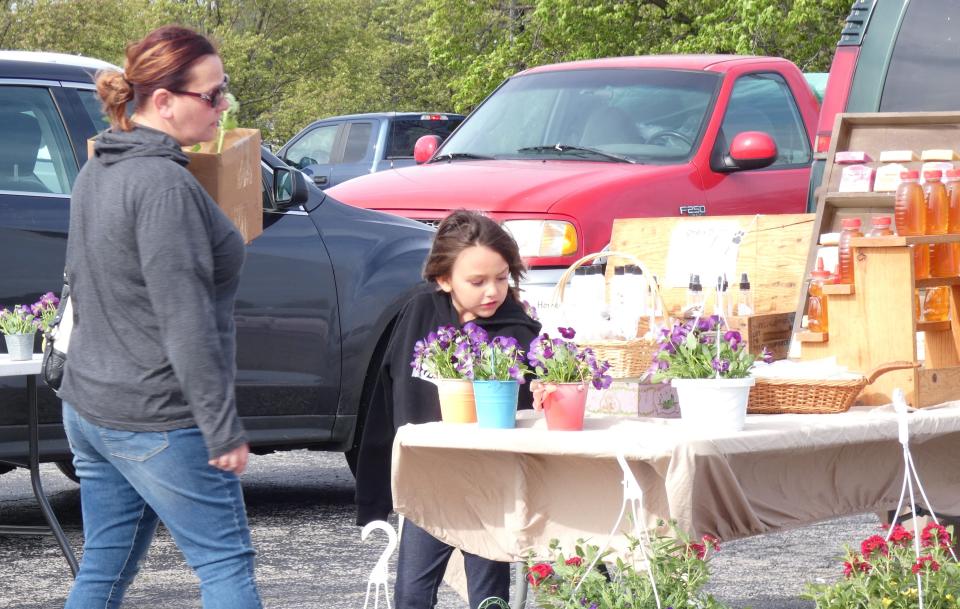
(469, 271)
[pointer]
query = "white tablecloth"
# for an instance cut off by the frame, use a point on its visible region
(498, 493)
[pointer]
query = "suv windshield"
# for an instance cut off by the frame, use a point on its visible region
(611, 115)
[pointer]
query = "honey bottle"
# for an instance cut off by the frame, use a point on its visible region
(952, 184)
(936, 304)
(910, 208)
(880, 227)
(938, 212)
(938, 205)
(851, 229)
(817, 301)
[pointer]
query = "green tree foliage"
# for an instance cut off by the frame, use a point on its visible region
(478, 43)
(293, 61)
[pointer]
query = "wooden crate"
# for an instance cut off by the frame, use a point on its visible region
(874, 321)
(770, 330)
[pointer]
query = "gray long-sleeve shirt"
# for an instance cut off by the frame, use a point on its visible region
(154, 267)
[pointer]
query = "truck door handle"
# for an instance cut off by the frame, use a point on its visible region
(319, 180)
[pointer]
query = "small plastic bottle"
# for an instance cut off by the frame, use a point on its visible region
(817, 302)
(851, 229)
(723, 298)
(694, 307)
(880, 227)
(619, 301)
(910, 208)
(744, 296)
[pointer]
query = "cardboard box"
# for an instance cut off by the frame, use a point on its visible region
(770, 330)
(633, 398)
(231, 178)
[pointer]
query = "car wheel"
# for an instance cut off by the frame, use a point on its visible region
(66, 467)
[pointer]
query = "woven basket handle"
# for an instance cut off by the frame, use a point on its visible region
(884, 368)
(558, 290)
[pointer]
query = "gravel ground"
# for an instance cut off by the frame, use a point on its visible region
(310, 553)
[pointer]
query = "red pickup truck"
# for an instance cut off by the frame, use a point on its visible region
(557, 152)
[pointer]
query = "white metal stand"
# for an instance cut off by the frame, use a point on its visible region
(379, 574)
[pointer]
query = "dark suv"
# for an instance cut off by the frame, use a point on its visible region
(893, 56)
(319, 288)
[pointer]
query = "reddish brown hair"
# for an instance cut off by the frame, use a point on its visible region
(463, 229)
(161, 60)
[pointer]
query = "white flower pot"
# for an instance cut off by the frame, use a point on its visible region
(713, 405)
(19, 346)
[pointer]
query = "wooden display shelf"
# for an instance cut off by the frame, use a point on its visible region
(812, 337)
(860, 199)
(897, 241)
(839, 288)
(936, 282)
(933, 326)
(877, 323)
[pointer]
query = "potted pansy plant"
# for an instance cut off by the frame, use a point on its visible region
(446, 357)
(709, 366)
(20, 324)
(564, 372)
(498, 370)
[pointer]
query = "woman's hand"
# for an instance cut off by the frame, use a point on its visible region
(234, 461)
(540, 391)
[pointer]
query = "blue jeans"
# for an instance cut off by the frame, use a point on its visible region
(422, 562)
(129, 481)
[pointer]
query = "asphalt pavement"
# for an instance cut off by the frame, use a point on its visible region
(310, 554)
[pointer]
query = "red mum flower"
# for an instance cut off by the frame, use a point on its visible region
(538, 573)
(699, 549)
(873, 544)
(713, 542)
(934, 534)
(900, 536)
(574, 560)
(928, 560)
(858, 564)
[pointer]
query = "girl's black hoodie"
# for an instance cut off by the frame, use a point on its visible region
(399, 398)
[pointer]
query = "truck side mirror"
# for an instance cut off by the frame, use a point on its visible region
(750, 150)
(425, 147)
(289, 188)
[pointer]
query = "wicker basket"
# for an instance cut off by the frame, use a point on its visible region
(628, 358)
(802, 396)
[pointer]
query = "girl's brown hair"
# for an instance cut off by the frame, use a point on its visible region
(162, 60)
(463, 229)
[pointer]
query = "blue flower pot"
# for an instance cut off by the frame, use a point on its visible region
(496, 403)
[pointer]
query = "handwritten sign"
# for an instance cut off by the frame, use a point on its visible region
(708, 249)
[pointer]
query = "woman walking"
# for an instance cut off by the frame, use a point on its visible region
(148, 391)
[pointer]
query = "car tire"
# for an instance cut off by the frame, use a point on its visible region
(68, 470)
(373, 369)
(6, 467)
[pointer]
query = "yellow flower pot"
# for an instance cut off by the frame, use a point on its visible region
(456, 401)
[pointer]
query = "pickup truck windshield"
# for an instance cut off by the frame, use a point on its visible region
(638, 115)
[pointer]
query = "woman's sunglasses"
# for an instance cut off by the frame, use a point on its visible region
(214, 97)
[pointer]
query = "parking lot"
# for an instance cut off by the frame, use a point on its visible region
(310, 553)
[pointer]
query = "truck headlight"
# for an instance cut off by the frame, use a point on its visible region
(543, 237)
